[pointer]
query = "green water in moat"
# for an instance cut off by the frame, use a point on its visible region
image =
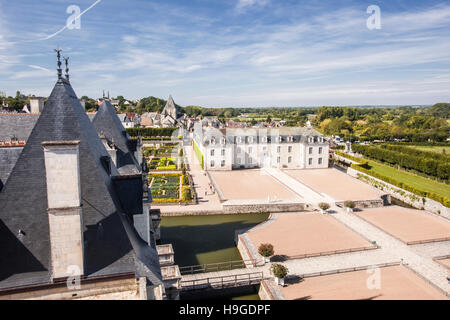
(206, 239)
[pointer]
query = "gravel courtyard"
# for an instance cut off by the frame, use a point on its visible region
(396, 283)
(250, 185)
(334, 183)
(408, 225)
(295, 235)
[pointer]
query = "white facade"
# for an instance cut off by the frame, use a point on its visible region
(290, 148)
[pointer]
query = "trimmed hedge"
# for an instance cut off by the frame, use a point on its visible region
(151, 132)
(429, 164)
(198, 153)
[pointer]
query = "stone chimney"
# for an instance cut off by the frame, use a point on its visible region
(62, 168)
(36, 104)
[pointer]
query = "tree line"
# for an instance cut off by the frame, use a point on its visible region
(429, 164)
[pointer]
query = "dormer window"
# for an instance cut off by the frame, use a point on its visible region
(106, 163)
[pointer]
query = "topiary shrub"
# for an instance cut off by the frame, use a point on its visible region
(279, 270)
(266, 250)
(349, 204)
(324, 206)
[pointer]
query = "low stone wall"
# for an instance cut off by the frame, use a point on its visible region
(102, 290)
(364, 204)
(405, 196)
(244, 251)
(263, 207)
(345, 270)
(193, 213)
(216, 187)
(264, 292)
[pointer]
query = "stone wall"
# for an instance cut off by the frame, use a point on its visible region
(101, 290)
(364, 204)
(403, 195)
(263, 207)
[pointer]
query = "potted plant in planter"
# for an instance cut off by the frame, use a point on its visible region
(350, 205)
(280, 272)
(266, 251)
(324, 207)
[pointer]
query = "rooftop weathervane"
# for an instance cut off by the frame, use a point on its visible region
(66, 60)
(58, 55)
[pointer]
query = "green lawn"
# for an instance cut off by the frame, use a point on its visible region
(437, 149)
(411, 179)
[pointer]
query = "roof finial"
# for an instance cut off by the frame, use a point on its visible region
(58, 55)
(66, 60)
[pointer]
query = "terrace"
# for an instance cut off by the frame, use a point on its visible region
(421, 227)
(250, 185)
(296, 236)
(397, 282)
(335, 184)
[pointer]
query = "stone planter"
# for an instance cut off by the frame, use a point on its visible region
(349, 210)
(279, 281)
(266, 259)
(323, 211)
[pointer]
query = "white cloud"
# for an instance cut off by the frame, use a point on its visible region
(244, 4)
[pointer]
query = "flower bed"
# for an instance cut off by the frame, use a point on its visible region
(165, 188)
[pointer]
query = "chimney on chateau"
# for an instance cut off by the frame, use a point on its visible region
(36, 104)
(62, 168)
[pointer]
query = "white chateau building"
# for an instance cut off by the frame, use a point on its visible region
(241, 148)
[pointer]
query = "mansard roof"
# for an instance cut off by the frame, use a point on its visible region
(16, 125)
(8, 158)
(111, 244)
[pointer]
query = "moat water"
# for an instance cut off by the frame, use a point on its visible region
(206, 239)
(209, 239)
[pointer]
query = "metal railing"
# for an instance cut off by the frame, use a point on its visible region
(223, 282)
(216, 267)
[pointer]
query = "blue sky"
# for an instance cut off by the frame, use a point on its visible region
(233, 53)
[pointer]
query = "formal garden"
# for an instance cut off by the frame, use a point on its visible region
(163, 157)
(171, 188)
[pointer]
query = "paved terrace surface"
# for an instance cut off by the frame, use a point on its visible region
(295, 235)
(335, 184)
(207, 203)
(408, 225)
(252, 184)
(311, 196)
(421, 264)
(396, 282)
(445, 262)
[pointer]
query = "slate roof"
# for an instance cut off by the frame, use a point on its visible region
(16, 125)
(8, 158)
(111, 244)
(107, 123)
